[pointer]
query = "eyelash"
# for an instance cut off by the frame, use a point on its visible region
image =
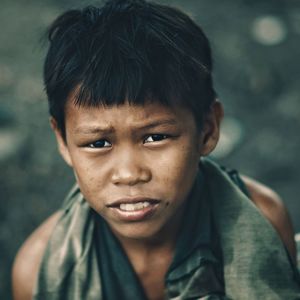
(155, 138)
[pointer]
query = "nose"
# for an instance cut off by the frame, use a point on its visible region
(130, 169)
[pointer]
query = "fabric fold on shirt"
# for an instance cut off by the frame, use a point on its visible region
(237, 240)
(196, 270)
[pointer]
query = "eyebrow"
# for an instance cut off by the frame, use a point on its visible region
(93, 130)
(110, 129)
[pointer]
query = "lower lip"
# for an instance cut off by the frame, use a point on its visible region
(134, 216)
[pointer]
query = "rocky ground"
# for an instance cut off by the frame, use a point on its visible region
(256, 47)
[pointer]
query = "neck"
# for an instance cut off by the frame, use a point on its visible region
(148, 247)
(151, 258)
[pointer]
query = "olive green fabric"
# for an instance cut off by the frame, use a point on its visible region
(256, 265)
(255, 261)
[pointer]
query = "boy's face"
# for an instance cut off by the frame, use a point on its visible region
(135, 165)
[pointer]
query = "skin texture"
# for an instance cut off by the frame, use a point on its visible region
(129, 152)
(27, 261)
(272, 207)
(144, 151)
(133, 152)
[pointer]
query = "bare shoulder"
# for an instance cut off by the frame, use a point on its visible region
(27, 261)
(273, 208)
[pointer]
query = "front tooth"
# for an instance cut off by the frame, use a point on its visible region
(128, 207)
(133, 206)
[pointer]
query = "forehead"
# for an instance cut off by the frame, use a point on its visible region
(126, 114)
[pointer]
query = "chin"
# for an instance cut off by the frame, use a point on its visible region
(137, 232)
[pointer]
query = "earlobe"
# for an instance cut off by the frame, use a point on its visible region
(61, 143)
(211, 130)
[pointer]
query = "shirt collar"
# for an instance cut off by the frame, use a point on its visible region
(196, 224)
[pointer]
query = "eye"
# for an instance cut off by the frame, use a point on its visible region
(155, 138)
(100, 144)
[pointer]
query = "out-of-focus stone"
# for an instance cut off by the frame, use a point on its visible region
(269, 30)
(6, 76)
(231, 135)
(288, 105)
(11, 140)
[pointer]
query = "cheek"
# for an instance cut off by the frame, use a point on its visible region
(178, 169)
(89, 177)
(91, 187)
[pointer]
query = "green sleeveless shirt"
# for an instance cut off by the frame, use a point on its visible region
(226, 250)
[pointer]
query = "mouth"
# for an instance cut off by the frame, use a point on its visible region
(134, 209)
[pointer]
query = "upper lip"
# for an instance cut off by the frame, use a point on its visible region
(131, 200)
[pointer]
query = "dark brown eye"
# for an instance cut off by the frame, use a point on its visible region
(100, 144)
(155, 138)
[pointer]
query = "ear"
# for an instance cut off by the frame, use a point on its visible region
(61, 143)
(211, 129)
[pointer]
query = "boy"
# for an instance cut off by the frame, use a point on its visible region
(133, 109)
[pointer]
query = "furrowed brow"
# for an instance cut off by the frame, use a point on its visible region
(157, 124)
(93, 130)
(109, 130)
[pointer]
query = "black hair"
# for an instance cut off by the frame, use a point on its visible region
(128, 50)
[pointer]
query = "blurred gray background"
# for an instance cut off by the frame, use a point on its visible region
(257, 73)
